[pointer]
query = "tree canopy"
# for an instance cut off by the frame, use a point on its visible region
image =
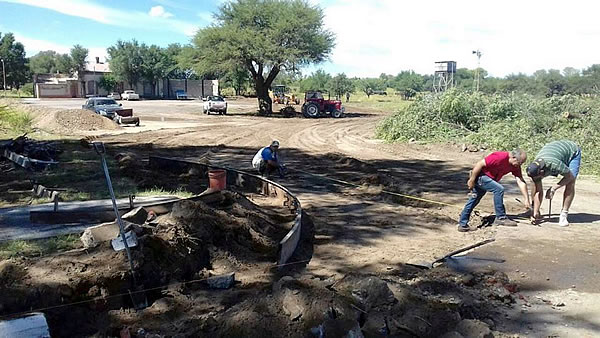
(263, 36)
(15, 63)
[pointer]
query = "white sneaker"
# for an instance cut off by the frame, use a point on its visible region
(562, 220)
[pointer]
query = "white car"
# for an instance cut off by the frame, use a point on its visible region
(130, 95)
(215, 103)
(114, 96)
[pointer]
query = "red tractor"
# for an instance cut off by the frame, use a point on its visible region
(315, 105)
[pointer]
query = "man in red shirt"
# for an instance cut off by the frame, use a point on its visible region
(485, 177)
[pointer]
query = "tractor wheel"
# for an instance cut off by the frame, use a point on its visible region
(337, 113)
(311, 110)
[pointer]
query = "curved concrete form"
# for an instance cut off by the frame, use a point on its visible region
(250, 183)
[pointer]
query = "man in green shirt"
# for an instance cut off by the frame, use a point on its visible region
(556, 158)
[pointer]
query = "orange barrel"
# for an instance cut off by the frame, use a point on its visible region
(217, 179)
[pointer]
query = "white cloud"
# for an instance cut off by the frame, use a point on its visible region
(34, 46)
(111, 16)
(514, 36)
(159, 11)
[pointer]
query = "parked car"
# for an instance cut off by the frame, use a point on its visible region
(109, 108)
(130, 95)
(114, 96)
(181, 95)
(215, 103)
(102, 105)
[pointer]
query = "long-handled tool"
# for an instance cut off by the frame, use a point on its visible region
(549, 195)
(450, 255)
(101, 150)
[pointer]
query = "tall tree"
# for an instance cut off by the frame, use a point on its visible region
(368, 85)
(316, 81)
(78, 55)
(340, 85)
(264, 36)
(50, 62)
(156, 64)
(125, 60)
(15, 63)
(108, 82)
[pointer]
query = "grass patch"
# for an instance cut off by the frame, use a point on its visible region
(500, 122)
(160, 191)
(384, 103)
(15, 121)
(21, 93)
(39, 247)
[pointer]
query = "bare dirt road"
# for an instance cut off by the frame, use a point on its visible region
(359, 229)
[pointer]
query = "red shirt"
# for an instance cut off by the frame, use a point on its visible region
(497, 165)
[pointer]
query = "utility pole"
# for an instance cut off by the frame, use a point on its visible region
(478, 53)
(3, 78)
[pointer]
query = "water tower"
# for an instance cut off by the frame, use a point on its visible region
(444, 75)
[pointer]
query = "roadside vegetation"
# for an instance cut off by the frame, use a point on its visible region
(14, 121)
(500, 121)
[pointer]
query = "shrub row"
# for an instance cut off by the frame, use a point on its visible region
(500, 122)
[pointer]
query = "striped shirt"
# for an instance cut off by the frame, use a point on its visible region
(557, 156)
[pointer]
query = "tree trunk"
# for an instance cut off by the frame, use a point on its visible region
(265, 105)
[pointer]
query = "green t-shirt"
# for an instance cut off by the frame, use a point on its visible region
(557, 156)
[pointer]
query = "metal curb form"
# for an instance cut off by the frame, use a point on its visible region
(251, 183)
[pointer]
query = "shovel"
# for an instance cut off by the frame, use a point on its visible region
(453, 253)
(138, 298)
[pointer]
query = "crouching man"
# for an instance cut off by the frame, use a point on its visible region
(485, 177)
(266, 161)
(555, 158)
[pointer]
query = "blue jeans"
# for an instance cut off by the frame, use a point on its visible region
(483, 184)
(575, 163)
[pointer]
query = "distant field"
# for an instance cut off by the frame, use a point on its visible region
(386, 103)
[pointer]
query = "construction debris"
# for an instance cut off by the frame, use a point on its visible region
(30, 154)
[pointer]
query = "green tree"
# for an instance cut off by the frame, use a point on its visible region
(368, 85)
(316, 81)
(409, 83)
(43, 62)
(78, 55)
(50, 62)
(238, 79)
(264, 36)
(125, 60)
(108, 82)
(15, 63)
(156, 64)
(340, 85)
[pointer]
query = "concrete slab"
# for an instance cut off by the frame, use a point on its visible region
(15, 222)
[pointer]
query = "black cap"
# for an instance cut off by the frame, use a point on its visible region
(535, 168)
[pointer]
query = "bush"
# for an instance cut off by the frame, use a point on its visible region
(27, 89)
(500, 122)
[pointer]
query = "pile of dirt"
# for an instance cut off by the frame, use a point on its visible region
(193, 241)
(70, 121)
(66, 121)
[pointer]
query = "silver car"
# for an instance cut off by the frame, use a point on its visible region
(103, 106)
(215, 103)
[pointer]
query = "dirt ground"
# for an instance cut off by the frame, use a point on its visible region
(360, 231)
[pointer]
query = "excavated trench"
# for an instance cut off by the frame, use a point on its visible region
(79, 290)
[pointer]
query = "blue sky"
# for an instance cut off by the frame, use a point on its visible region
(372, 36)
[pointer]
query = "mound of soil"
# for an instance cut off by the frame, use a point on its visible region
(65, 121)
(69, 121)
